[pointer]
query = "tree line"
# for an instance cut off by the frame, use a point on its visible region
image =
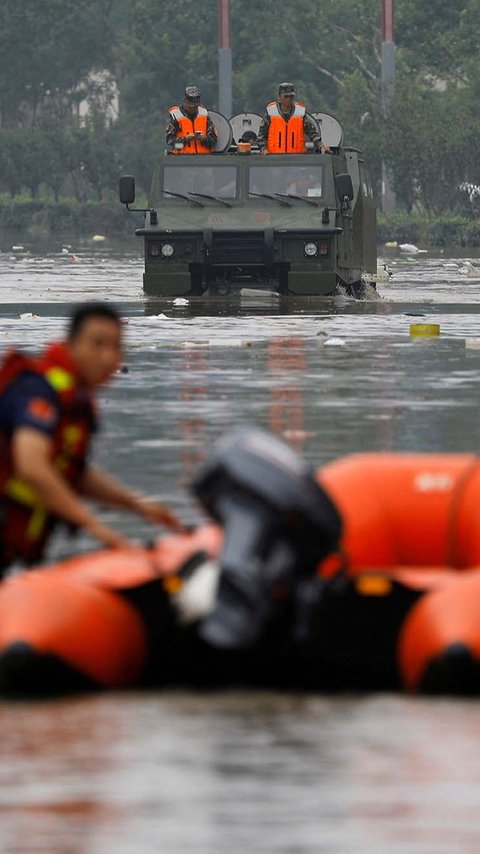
(153, 48)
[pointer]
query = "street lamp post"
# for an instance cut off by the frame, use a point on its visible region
(224, 59)
(387, 90)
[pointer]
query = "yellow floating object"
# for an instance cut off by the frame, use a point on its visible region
(424, 330)
(98, 237)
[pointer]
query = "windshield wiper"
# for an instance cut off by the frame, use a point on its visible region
(300, 198)
(213, 198)
(267, 196)
(182, 196)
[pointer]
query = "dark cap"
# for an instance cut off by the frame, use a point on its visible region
(286, 89)
(192, 94)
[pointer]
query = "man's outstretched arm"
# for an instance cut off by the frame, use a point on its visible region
(31, 452)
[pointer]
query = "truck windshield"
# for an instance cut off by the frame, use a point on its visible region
(304, 181)
(220, 181)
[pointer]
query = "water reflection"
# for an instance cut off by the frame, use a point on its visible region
(182, 772)
(193, 426)
(286, 365)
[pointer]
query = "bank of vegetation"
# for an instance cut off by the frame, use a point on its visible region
(130, 61)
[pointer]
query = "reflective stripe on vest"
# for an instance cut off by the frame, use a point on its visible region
(189, 125)
(286, 137)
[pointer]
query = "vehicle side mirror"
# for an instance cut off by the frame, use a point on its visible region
(343, 183)
(126, 189)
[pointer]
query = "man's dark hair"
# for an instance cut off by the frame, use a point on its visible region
(88, 310)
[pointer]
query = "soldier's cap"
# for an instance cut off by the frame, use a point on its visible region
(286, 89)
(192, 94)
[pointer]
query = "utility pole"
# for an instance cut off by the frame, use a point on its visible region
(224, 59)
(387, 91)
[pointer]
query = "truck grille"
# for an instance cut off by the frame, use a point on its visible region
(246, 248)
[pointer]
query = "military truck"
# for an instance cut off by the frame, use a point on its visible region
(235, 219)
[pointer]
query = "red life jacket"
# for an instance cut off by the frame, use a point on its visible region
(286, 137)
(188, 125)
(25, 523)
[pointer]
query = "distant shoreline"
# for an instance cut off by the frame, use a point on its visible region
(435, 233)
(37, 218)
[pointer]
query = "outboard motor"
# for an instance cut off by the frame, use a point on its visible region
(278, 524)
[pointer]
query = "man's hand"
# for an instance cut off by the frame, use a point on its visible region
(107, 536)
(325, 149)
(158, 514)
(100, 486)
(189, 137)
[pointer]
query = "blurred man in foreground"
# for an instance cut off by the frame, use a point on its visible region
(47, 419)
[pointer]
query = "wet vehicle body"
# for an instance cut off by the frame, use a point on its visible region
(301, 224)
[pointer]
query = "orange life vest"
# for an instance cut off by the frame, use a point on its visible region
(286, 137)
(25, 522)
(189, 125)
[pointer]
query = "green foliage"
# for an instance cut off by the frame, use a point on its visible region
(37, 217)
(438, 232)
(330, 50)
(45, 51)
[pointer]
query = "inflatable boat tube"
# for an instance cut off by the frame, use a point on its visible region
(407, 510)
(92, 620)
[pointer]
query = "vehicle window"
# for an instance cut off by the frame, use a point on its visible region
(298, 180)
(218, 181)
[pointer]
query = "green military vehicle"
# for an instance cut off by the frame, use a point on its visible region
(302, 224)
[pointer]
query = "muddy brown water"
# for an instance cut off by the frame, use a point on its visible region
(244, 771)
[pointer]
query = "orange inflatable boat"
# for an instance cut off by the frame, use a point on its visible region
(396, 602)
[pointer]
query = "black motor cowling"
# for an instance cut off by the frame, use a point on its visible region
(278, 524)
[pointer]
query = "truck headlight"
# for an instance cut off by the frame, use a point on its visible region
(310, 249)
(167, 250)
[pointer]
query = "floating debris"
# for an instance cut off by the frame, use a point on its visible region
(383, 273)
(334, 342)
(467, 269)
(410, 248)
(424, 330)
(98, 238)
(298, 435)
(180, 301)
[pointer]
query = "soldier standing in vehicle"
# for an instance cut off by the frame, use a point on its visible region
(47, 419)
(190, 129)
(286, 127)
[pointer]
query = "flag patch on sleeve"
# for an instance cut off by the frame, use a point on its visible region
(41, 410)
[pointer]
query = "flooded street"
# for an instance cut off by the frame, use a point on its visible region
(179, 772)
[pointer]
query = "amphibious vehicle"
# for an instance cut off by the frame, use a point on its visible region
(290, 223)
